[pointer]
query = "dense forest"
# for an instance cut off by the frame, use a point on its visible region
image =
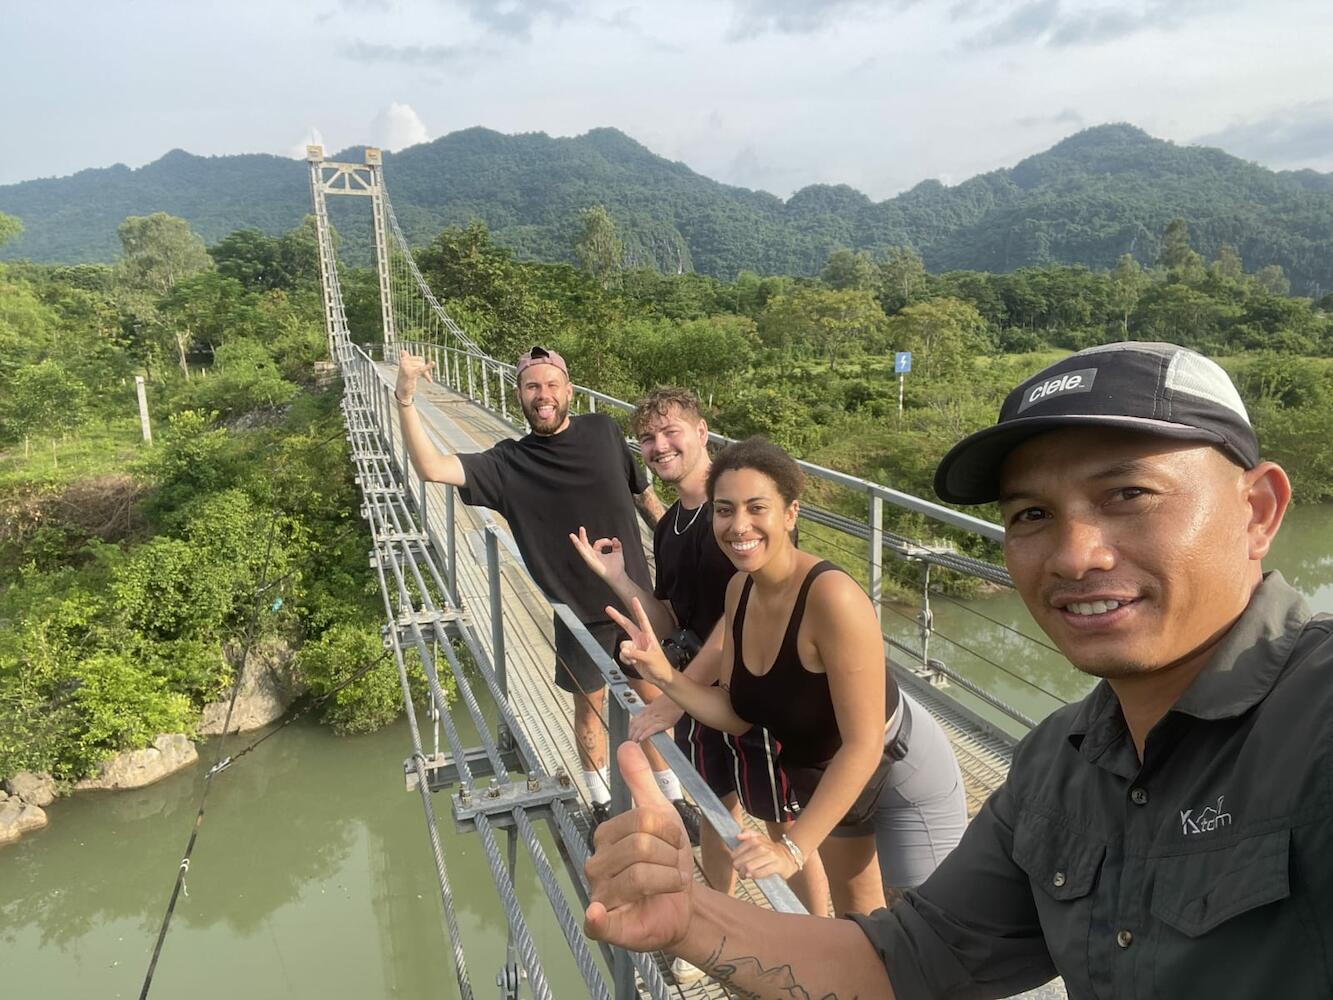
(1097, 195)
(132, 571)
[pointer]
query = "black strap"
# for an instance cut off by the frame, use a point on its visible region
(896, 748)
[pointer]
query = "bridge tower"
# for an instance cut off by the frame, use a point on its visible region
(366, 180)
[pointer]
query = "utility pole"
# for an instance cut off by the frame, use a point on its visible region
(144, 425)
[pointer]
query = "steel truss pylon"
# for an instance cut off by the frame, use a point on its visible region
(366, 180)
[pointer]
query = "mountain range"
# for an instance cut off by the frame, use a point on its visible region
(1100, 193)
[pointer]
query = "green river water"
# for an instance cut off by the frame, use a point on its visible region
(312, 877)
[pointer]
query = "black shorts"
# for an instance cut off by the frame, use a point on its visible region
(575, 670)
(747, 765)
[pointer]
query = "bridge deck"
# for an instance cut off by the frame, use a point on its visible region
(546, 711)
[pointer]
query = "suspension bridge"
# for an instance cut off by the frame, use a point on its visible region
(459, 602)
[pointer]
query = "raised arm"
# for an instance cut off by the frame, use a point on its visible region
(643, 651)
(664, 713)
(431, 463)
(650, 506)
(644, 897)
(606, 558)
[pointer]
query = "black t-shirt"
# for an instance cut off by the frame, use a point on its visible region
(692, 570)
(547, 487)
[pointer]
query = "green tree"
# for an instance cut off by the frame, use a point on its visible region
(902, 279)
(1128, 283)
(705, 355)
(44, 399)
(207, 308)
(849, 270)
(370, 702)
(942, 334)
(1227, 265)
(1272, 280)
(244, 378)
(10, 228)
(822, 321)
(1176, 255)
(598, 249)
(158, 250)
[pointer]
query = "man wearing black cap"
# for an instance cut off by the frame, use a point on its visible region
(569, 471)
(1171, 835)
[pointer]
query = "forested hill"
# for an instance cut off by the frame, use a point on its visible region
(1098, 194)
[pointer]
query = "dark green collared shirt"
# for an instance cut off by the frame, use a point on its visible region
(1205, 871)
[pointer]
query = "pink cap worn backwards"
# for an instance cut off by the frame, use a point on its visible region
(540, 356)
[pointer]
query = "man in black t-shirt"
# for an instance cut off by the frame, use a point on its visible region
(566, 473)
(686, 606)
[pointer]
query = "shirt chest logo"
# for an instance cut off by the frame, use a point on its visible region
(1205, 820)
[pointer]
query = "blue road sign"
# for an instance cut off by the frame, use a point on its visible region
(902, 362)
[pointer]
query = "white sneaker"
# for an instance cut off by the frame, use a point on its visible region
(684, 973)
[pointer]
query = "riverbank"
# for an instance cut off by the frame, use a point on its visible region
(311, 879)
(267, 689)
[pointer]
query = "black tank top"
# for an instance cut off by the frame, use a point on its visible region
(791, 702)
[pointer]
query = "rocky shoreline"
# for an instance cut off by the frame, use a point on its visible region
(268, 688)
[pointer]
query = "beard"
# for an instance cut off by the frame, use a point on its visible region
(540, 426)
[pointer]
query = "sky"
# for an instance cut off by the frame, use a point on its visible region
(771, 94)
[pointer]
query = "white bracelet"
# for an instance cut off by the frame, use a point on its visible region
(797, 854)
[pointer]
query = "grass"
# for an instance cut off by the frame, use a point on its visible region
(101, 446)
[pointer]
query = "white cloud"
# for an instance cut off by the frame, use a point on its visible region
(313, 137)
(397, 127)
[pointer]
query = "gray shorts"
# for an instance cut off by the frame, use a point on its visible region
(921, 811)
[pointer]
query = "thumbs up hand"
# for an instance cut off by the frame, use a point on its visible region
(641, 874)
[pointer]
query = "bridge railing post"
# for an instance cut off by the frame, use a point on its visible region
(875, 564)
(498, 662)
(622, 971)
(451, 542)
(485, 385)
(471, 390)
(405, 468)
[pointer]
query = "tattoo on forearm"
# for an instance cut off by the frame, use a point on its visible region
(777, 983)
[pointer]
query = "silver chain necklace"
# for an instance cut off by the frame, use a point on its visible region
(679, 529)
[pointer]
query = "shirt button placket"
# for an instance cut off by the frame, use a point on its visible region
(1139, 796)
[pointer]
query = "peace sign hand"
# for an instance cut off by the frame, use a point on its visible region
(642, 651)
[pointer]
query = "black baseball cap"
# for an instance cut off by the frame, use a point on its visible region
(1156, 388)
